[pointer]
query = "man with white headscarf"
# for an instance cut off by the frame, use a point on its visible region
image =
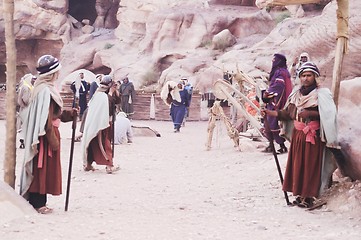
(24, 94)
(94, 85)
(80, 87)
(176, 96)
(304, 57)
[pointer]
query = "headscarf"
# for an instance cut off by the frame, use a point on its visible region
(105, 83)
(309, 67)
(280, 61)
(47, 81)
(47, 66)
(300, 62)
(78, 84)
(26, 80)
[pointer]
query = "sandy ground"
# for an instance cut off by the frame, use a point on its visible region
(170, 187)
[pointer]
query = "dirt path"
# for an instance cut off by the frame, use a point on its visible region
(172, 188)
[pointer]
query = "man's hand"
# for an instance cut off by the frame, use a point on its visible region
(75, 112)
(266, 112)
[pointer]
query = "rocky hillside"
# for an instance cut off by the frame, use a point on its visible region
(156, 41)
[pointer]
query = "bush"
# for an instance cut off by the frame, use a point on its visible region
(150, 77)
(205, 44)
(282, 17)
(108, 46)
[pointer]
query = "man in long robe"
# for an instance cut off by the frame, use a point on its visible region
(41, 172)
(127, 93)
(80, 88)
(275, 96)
(310, 123)
(98, 127)
(178, 107)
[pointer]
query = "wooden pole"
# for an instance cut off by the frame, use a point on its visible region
(266, 3)
(10, 144)
(337, 69)
(341, 47)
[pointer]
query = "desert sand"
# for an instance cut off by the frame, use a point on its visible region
(170, 187)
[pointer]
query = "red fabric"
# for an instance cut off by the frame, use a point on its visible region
(94, 152)
(47, 178)
(309, 129)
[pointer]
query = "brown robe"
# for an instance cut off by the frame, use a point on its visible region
(48, 179)
(304, 164)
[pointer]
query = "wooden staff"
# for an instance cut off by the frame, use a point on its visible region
(113, 128)
(270, 136)
(75, 118)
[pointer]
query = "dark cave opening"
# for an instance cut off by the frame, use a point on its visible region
(83, 9)
(102, 70)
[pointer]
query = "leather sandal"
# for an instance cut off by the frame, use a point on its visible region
(44, 210)
(78, 138)
(298, 200)
(89, 168)
(111, 169)
(306, 203)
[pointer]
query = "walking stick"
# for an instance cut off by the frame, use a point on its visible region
(113, 123)
(75, 116)
(268, 131)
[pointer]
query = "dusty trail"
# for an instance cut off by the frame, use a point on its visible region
(172, 188)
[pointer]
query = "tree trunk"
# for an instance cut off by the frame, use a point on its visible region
(10, 144)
